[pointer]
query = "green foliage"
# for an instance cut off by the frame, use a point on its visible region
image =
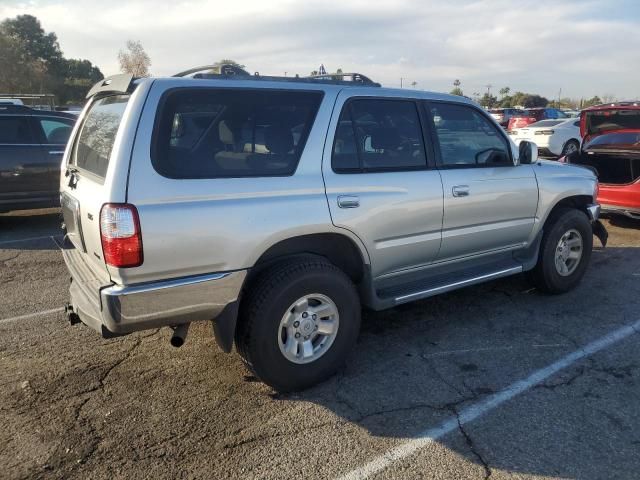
(31, 62)
(457, 91)
(488, 100)
(595, 100)
(522, 99)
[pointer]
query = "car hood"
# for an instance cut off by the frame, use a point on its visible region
(554, 168)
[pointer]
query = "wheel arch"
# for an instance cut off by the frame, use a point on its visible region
(339, 249)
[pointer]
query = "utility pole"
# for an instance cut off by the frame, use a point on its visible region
(489, 87)
(400, 82)
(559, 95)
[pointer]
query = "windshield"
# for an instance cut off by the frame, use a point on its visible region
(618, 140)
(609, 120)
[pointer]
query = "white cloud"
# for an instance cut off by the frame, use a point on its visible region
(531, 45)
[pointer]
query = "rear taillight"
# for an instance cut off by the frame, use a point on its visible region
(121, 235)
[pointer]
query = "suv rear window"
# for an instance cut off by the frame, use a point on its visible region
(215, 133)
(97, 134)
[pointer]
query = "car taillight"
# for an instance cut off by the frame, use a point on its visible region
(120, 234)
(544, 132)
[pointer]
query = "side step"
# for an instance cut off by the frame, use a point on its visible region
(446, 282)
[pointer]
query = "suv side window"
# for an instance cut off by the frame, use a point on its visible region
(376, 135)
(223, 133)
(15, 130)
(55, 131)
(467, 138)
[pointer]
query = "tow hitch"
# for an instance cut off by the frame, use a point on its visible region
(72, 316)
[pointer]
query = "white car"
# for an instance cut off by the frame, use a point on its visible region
(553, 137)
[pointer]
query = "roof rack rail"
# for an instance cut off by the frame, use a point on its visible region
(353, 77)
(224, 69)
(12, 108)
(230, 71)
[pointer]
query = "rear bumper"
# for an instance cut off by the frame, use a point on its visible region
(118, 309)
(619, 209)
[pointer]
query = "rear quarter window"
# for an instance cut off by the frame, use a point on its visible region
(97, 134)
(218, 133)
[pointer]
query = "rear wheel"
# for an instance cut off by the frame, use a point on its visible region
(565, 251)
(298, 323)
(570, 147)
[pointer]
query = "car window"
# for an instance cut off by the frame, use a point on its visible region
(216, 133)
(378, 135)
(15, 130)
(55, 131)
(467, 138)
(576, 124)
(97, 135)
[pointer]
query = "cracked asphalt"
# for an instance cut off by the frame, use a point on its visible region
(75, 406)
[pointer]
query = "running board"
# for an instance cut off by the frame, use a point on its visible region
(432, 289)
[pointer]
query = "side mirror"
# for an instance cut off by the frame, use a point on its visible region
(528, 153)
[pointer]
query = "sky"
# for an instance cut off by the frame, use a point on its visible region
(584, 47)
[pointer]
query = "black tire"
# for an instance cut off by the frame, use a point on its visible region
(270, 295)
(545, 275)
(570, 147)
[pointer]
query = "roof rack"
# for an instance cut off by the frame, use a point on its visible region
(230, 71)
(12, 108)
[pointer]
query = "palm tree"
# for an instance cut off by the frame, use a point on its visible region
(504, 91)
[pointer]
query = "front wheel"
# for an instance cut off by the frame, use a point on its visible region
(570, 147)
(564, 253)
(298, 323)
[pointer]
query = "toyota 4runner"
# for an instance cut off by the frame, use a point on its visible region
(277, 207)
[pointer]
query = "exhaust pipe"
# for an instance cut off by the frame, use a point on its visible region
(179, 335)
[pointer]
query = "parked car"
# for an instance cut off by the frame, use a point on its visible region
(277, 206)
(553, 137)
(611, 146)
(31, 146)
(503, 115)
(533, 115)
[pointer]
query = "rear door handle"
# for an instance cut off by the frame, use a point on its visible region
(348, 201)
(460, 191)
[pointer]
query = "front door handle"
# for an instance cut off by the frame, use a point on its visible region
(460, 191)
(348, 201)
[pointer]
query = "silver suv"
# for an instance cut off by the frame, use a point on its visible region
(277, 207)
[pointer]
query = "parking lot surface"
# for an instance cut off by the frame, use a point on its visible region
(494, 381)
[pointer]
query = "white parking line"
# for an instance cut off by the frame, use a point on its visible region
(31, 315)
(479, 409)
(29, 239)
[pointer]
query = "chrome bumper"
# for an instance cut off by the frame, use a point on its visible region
(115, 309)
(130, 308)
(594, 211)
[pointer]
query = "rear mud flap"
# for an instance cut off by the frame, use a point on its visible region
(600, 231)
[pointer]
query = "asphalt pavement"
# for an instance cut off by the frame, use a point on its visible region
(496, 380)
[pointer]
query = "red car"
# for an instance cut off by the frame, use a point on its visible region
(533, 115)
(611, 146)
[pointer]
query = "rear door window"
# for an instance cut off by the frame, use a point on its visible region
(217, 133)
(15, 130)
(378, 135)
(98, 132)
(55, 131)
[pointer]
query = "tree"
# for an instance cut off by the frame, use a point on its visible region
(457, 91)
(38, 45)
(595, 100)
(31, 61)
(134, 59)
(228, 62)
(457, 83)
(19, 72)
(488, 100)
(504, 91)
(608, 98)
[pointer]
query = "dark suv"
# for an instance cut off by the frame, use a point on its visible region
(32, 143)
